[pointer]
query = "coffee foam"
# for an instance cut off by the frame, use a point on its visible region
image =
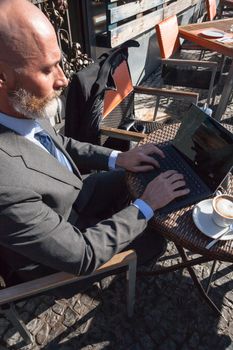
(224, 207)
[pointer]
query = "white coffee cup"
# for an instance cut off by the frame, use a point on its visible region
(223, 210)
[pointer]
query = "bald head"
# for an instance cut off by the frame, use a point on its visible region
(23, 29)
(30, 72)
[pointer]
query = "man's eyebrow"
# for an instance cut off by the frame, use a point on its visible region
(52, 64)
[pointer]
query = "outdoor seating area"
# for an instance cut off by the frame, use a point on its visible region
(82, 319)
(183, 300)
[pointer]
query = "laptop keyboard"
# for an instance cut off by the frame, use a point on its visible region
(173, 161)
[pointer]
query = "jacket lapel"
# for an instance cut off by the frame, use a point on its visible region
(36, 158)
(50, 130)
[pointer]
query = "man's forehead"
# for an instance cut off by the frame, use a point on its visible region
(32, 51)
(22, 36)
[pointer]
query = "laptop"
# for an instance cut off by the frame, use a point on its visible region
(202, 151)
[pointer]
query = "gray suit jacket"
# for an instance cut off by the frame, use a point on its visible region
(36, 199)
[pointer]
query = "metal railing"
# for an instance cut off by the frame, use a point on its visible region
(57, 11)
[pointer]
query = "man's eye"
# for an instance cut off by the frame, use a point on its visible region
(47, 70)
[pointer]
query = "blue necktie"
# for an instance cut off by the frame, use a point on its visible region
(48, 143)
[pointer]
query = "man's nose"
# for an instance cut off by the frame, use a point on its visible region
(61, 81)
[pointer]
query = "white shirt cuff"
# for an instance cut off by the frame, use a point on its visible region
(144, 208)
(112, 160)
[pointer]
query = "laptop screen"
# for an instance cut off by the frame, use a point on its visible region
(206, 145)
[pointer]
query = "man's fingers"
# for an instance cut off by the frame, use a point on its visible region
(143, 168)
(149, 160)
(169, 173)
(150, 148)
(157, 150)
(178, 184)
(175, 178)
(179, 193)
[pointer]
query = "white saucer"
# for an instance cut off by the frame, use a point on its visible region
(202, 217)
(211, 33)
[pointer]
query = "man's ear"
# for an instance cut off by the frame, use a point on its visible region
(6, 75)
(3, 79)
(3, 74)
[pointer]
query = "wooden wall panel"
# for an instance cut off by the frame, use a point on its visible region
(133, 28)
(133, 8)
(131, 19)
(178, 6)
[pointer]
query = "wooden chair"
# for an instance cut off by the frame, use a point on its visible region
(120, 103)
(9, 295)
(116, 110)
(183, 72)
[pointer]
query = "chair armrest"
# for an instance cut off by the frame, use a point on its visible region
(191, 96)
(180, 62)
(26, 289)
(122, 134)
(191, 46)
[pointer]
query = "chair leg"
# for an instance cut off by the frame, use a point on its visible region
(222, 64)
(201, 55)
(131, 283)
(221, 11)
(14, 318)
(211, 86)
(213, 98)
(156, 107)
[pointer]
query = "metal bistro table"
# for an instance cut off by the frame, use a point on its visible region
(193, 32)
(179, 227)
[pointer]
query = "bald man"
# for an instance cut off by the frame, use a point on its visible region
(51, 219)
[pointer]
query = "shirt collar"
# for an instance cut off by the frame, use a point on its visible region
(24, 127)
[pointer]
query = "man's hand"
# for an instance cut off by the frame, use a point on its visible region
(139, 158)
(164, 188)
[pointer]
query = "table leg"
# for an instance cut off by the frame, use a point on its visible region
(210, 276)
(175, 267)
(186, 264)
(225, 94)
(197, 282)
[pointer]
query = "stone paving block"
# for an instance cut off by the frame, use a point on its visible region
(135, 346)
(35, 325)
(70, 317)
(42, 335)
(168, 345)
(11, 337)
(146, 342)
(59, 307)
(229, 347)
(53, 319)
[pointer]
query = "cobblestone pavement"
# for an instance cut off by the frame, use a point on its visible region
(169, 313)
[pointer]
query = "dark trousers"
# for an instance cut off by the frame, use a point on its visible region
(107, 196)
(104, 194)
(110, 195)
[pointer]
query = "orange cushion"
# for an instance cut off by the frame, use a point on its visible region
(124, 87)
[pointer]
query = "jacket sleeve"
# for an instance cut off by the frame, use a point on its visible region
(31, 228)
(85, 155)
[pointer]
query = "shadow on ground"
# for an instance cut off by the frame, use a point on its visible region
(169, 314)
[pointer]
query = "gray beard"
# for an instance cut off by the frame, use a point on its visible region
(20, 101)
